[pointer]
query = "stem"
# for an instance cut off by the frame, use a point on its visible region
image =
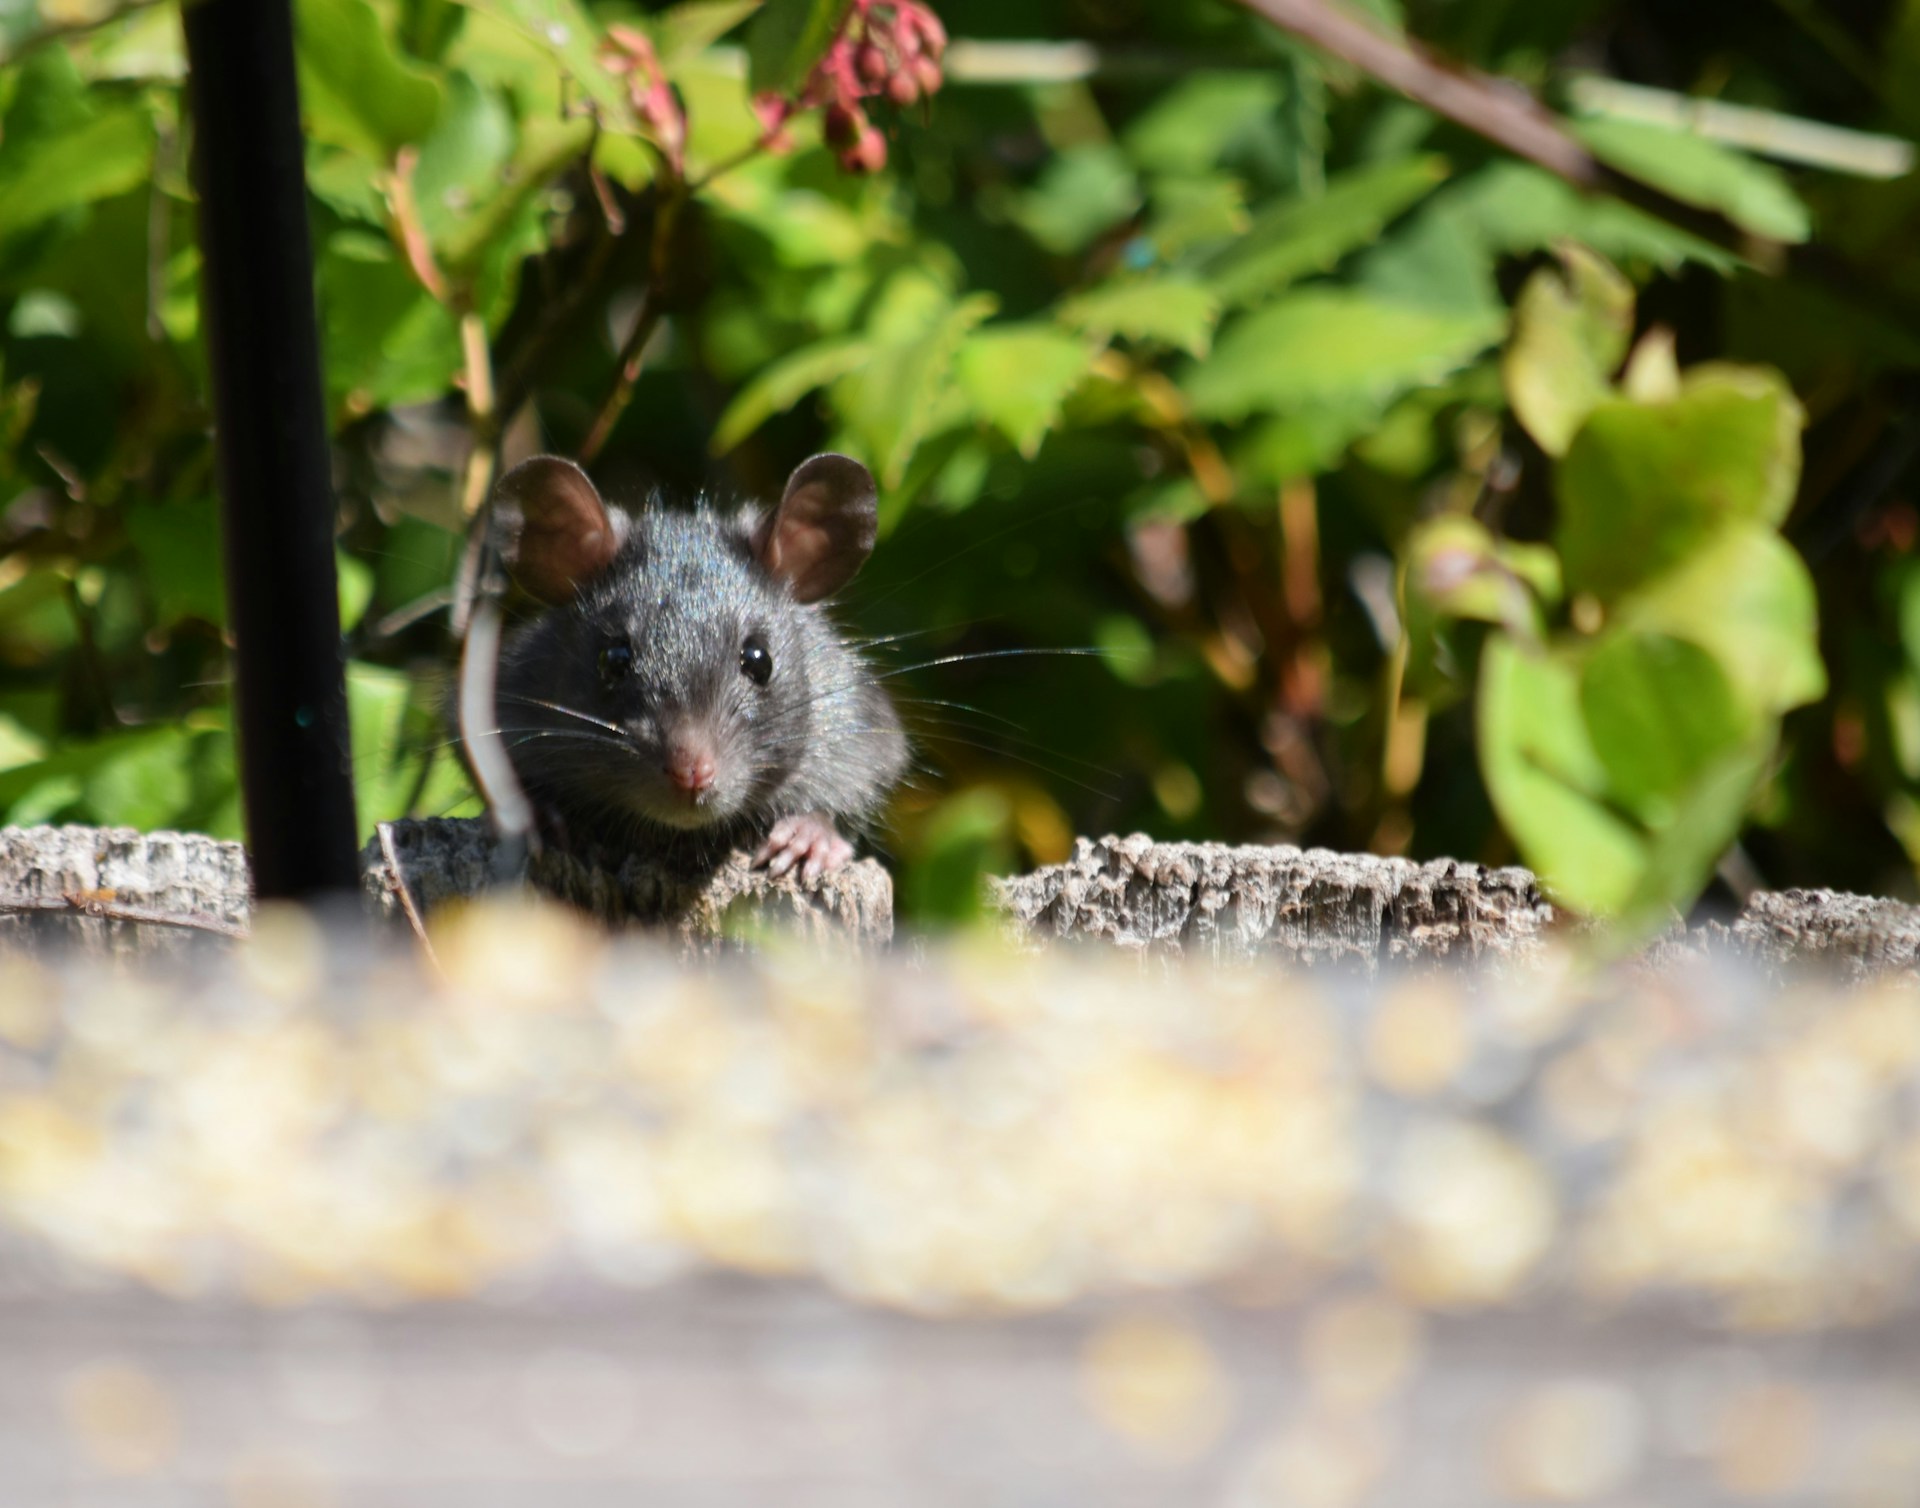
(1498, 109)
(673, 195)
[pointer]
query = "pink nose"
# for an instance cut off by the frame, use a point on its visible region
(690, 769)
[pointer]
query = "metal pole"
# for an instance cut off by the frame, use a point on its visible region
(276, 493)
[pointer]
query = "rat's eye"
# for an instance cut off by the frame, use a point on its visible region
(615, 661)
(755, 663)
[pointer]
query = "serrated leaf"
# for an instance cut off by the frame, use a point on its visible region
(357, 89)
(1644, 484)
(1570, 331)
(1173, 311)
(892, 403)
(1017, 377)
(1753, 194)
(1197, 122)
(783, 384)
(1081, 192)
(1298, 237)
(1326, 345)
(786, 39)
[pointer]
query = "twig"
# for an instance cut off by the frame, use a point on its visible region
(397, 883)
(493, 771)
(652, 306)
(1498, 109)
(102, 909)
(1766, 132)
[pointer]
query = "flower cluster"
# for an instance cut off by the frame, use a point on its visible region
(888, 48)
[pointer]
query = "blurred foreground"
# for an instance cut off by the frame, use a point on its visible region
(569, 1223)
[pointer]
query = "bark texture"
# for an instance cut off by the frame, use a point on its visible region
(428, 863)
(1305, 906)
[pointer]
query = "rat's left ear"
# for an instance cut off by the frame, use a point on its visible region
(823, 530)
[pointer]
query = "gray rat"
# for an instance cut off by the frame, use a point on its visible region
(684, 690)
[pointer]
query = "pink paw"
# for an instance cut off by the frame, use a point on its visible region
(808, 840)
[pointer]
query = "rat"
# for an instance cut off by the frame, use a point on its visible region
(684, 690)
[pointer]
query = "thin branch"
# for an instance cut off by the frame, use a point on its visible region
(397, 883)
(1498, 109)
(81, 904)
(652, 306)
(1768, 133)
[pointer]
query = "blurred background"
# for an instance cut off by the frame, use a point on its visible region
(1398, 523)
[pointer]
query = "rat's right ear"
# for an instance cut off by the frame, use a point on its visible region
(551, 527)
(823, 530)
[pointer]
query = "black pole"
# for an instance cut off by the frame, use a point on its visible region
(276, 491)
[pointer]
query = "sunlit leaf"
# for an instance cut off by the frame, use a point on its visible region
(357, 89)
(1548, 782)
(1173, 311)
(784, 384)
(1294, 238)
(1570, 331)
(1644, 484)
(1017, 377)
(1751, 193)
(1322, 344)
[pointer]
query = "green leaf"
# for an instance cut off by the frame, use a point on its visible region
(1644, 484)
(694, 25)
(1199, 121)
(461, 163)
(1018, 376)
(1660, 713)
(786, 39)
(179, 546)
(1570, 331)
(354, 580)
(385, 338)
(1190, 212)
(148, 784)
(1081, 192)
(1321, 345)
(377, 707)
(566, 35)
(1295, 238)
(892, 402)
(96, 160)
(1173, 311)
(1513, 208)
(780, 386)
(357, 89)
(1752, 194)
(1746, 598)
(1548, 782)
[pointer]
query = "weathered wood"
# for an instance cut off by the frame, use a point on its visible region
(448, 858)
(1310, 907)
(1305, 906)
(110, 888)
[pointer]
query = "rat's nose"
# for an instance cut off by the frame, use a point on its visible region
(690, 766)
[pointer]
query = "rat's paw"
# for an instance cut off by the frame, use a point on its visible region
(809, 840)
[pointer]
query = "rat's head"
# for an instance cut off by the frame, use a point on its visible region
(673, 675)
